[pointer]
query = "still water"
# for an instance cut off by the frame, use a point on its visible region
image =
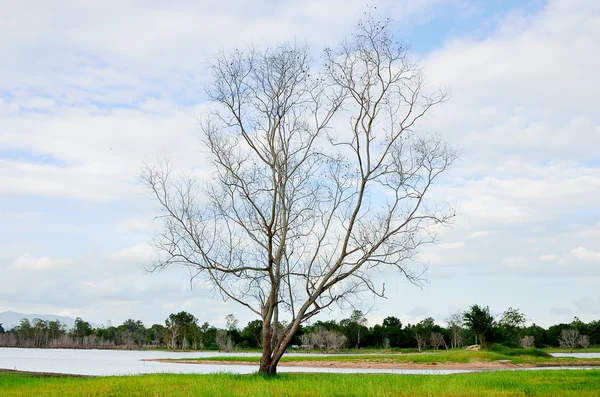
(126, 362)
(577, 355)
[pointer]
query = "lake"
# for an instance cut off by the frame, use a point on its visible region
(130, 362)
(577, 355)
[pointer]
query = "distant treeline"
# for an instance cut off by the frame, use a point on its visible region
(183, 331)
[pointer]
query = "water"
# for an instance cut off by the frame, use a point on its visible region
(576, 355)
(127, 362)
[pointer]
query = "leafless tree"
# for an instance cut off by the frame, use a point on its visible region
(584, 341)
(436, 340)
(527, 341)
(569, 339)
(325, 339)
(223, 341)
(318, 338)
(386, 343)
(307, 342)
(319, 178)
(455, 325)
(421, 339)
(334, 341)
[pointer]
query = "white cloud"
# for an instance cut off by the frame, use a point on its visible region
(102, 163)
(516, 261)
(141, 254)
(481, 234)
(66, 313)
(418, 311)
(561, 311)
(81, 182)
(91, 98)
(453, 245)
(585, 255)
(29, 262)
(588, 304)
(134, 225)
(579, 257)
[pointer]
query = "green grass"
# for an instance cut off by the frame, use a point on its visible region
(505, 383)
(515, 356)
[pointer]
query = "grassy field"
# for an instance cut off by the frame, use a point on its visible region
(513, 356)
(579, 383)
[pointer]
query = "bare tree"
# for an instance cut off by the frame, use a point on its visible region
(318, 338)
(455, 325)
(584, 341)
(320, 177)
(436, 340)
(307, 342)
(223, 341)
(569, 339)
(334, 341)
(421, 339)
(325, 339)
(386, 343)
(527, 341)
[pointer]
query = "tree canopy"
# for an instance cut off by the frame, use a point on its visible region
(480, 321)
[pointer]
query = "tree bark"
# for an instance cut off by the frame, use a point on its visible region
(266, 367)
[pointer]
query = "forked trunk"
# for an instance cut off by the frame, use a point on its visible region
(268, 361)
(272, 352)
(268, 365)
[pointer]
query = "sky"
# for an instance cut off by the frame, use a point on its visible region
(89, 91)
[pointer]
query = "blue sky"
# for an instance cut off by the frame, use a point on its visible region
(89, 92)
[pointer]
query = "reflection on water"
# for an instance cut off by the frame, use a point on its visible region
(119, 362)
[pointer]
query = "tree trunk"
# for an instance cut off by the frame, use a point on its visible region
(266, 360)
(269, 361)
(272, 352)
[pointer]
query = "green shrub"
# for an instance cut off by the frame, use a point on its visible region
(509, 351)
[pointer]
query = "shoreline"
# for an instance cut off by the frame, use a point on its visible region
(471, 366)
(479, 366)
(43, 374)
